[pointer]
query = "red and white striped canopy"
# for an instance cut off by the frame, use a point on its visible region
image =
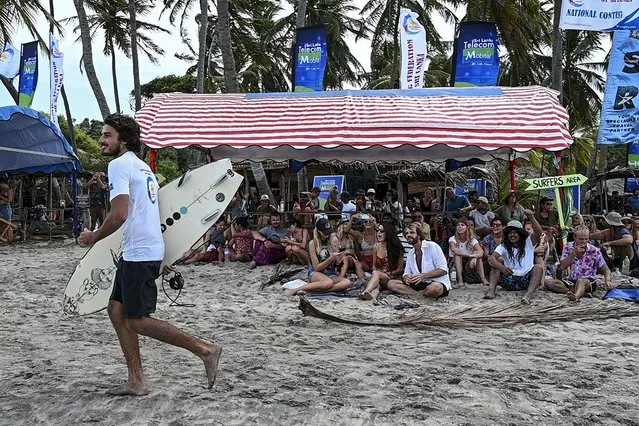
(369, 126)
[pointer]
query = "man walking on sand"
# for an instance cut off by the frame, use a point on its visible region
(134, 205)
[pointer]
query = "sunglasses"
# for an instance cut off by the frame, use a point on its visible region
(497, 225)
(380, 230)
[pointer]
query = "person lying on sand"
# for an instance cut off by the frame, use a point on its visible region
(513, 261)
(134, 206)
(584, 260)
(325, 258)
(426, 272)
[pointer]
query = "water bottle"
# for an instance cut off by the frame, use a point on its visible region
(227, 255)
(282, 206)
(625, 266)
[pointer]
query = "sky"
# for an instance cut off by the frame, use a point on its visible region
(79, 93)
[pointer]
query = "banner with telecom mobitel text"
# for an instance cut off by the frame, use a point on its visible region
(56, 77)
(310, 59)
(412, 38)
(475, 55)
(9, 61)
(326, 184)
(620, 112)
(599, 15)
(28, 73)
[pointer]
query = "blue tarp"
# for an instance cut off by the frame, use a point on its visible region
(31, 143)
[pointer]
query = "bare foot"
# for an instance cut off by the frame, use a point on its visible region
(570, 295)
(484, 281)
(525, 300)
(490, 295)
(366, 295)
(252, 264)
(129, 389)
(210, 363)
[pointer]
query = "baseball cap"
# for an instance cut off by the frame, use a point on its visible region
(370, 191)
(546, 200)
(324, 226)
(264, 197)
(483, 199)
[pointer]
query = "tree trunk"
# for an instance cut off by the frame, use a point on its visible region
(228, 61)
(300, 22)
(260, 180)
(114, 75)
(67, 110)
(557, 51)
(201, 60)
(87, 58)
(300, 19)
(134, 55)
(394, 80)
(8, 84)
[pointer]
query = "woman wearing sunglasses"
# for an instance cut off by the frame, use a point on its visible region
(388, 260)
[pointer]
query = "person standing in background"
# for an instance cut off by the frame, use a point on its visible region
(97, 189)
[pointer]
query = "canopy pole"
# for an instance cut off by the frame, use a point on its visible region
(153, 158)
(76, 211)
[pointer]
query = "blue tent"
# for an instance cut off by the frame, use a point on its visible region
(30, 143)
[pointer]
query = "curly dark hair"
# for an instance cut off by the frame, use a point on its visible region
(128, 130)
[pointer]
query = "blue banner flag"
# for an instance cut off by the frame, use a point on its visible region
(476, 56)
(28, 73)
(619, 113)
(310, 59)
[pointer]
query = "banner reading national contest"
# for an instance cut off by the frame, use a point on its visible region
(475, 55)
(28, 73)
(599, 15)
(620, 112)
(56, 77)
(309, 59)
(413, 47)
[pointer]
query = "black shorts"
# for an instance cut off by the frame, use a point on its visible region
(421, 286)
(135, 287)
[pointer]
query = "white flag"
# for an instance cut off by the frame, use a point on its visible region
(413, 48)
(10, 61)
(56, 77)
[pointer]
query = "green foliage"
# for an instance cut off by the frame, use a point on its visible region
(168, 84)
(88, 147)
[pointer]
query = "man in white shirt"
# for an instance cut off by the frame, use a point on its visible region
(348, 208)
(426, 271)
(513, 261)
(482, 216)
(134, 206)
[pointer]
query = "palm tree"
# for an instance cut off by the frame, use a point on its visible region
(380, 22)
(133, 31)
(182, 8)
(87, 58)
(16, 13)
(111, 17)
(224, 32)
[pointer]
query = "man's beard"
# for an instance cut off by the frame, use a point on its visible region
(110, 153)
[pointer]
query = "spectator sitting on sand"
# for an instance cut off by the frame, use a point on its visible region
(346, 246)
(388, 260)
(268, 249)
(584, 260)
(513, 261)
(212, 251)
(295, 243)
(325, 258)
(426, 272)
(241, 240)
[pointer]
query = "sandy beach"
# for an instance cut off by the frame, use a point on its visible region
(279, 367)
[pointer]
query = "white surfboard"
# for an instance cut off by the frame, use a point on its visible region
(189, 206)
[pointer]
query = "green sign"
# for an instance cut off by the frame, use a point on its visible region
(555, 182)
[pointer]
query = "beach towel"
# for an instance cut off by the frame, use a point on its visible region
(628, 294)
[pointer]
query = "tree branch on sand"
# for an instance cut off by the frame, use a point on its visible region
(493, 315)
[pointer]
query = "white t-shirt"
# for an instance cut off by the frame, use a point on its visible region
(142, 240)
(432, 258)
(467, 247)
(347, 210)
(526, 264)
(481, 220)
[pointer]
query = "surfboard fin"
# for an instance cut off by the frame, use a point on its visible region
(222, 178)
(185, 177)
(211, 216)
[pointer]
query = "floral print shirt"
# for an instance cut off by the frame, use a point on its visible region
(587, 266)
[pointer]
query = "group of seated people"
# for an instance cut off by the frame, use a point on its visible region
(512, 247)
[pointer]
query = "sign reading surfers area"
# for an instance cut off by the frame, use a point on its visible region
(555, 182)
